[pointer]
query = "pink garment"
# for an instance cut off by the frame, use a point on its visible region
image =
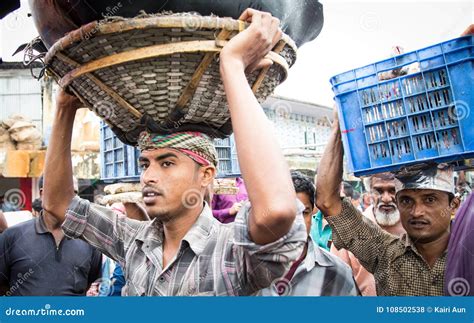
(365, 281)
(222, 203)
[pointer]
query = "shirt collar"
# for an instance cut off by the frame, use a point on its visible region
(315, 255)
(40, 226)
(197, 236)
(318, 216)
(409, 244)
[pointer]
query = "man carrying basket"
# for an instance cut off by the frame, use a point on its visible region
(184, 250)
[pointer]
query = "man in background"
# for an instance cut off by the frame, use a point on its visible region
(414, 263)
(316, 272)
(36, 259)
(384, 213)
(226, 206)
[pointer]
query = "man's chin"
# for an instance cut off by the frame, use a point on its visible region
(155, 212)
(419, 237)
(387, 219)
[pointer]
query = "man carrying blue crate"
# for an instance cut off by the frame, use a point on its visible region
(414, 263)
(184, 250)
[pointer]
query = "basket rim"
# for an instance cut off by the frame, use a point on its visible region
(103, 27)
(150, 52)
(223, 29)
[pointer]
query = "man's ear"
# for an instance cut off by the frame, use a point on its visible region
(208, 174)
(455, 203)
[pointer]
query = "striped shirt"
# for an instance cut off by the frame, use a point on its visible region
(213, 259)
(319, 274)
(398, 268)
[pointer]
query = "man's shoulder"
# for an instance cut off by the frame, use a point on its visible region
(333, 261)
(20, 228)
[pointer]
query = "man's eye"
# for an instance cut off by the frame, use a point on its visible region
(431, 199)
(143, 166)
(166, 164)
(404, 201)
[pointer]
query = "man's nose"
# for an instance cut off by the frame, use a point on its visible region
(387, 198)
(148, 176)
(418, 210)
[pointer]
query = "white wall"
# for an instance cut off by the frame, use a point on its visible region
(20, 94)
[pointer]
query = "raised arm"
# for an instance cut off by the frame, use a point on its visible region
(330, 174)
(58, 188)
(350, 229)
(263, 166)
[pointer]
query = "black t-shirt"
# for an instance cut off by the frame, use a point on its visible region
(32, 265)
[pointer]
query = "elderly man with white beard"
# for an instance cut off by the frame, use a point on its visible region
(385, 213)
(384, 210)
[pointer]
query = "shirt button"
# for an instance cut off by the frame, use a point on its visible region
(162, 279)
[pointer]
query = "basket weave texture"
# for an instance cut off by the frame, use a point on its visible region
(138, 73)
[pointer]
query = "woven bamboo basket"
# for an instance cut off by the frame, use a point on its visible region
(158, 72)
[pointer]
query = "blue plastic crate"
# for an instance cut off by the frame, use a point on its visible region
(421, 116)
(119, 162)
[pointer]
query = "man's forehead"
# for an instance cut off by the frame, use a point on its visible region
(381, 182)
(304, 198)
(159, 152)
(420, 193)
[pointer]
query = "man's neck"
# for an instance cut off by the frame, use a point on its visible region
(174, 231)
(54, 227)
(431, 251)
(52, 224)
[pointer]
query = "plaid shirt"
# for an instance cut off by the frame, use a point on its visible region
(213, 258)
(319, 274)
(398, 268)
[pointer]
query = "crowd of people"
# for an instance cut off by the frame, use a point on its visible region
(283, 234)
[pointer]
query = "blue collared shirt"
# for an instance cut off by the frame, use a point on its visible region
(321, 235)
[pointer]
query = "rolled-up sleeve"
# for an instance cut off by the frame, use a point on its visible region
(261, 264)
(99, 226)
(356, 233)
